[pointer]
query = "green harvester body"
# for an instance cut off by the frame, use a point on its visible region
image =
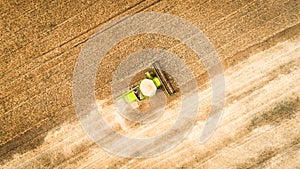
(159, 79)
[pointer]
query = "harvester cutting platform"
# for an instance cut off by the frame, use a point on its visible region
(155, 79)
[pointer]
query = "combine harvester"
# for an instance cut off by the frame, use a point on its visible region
(147, 87)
